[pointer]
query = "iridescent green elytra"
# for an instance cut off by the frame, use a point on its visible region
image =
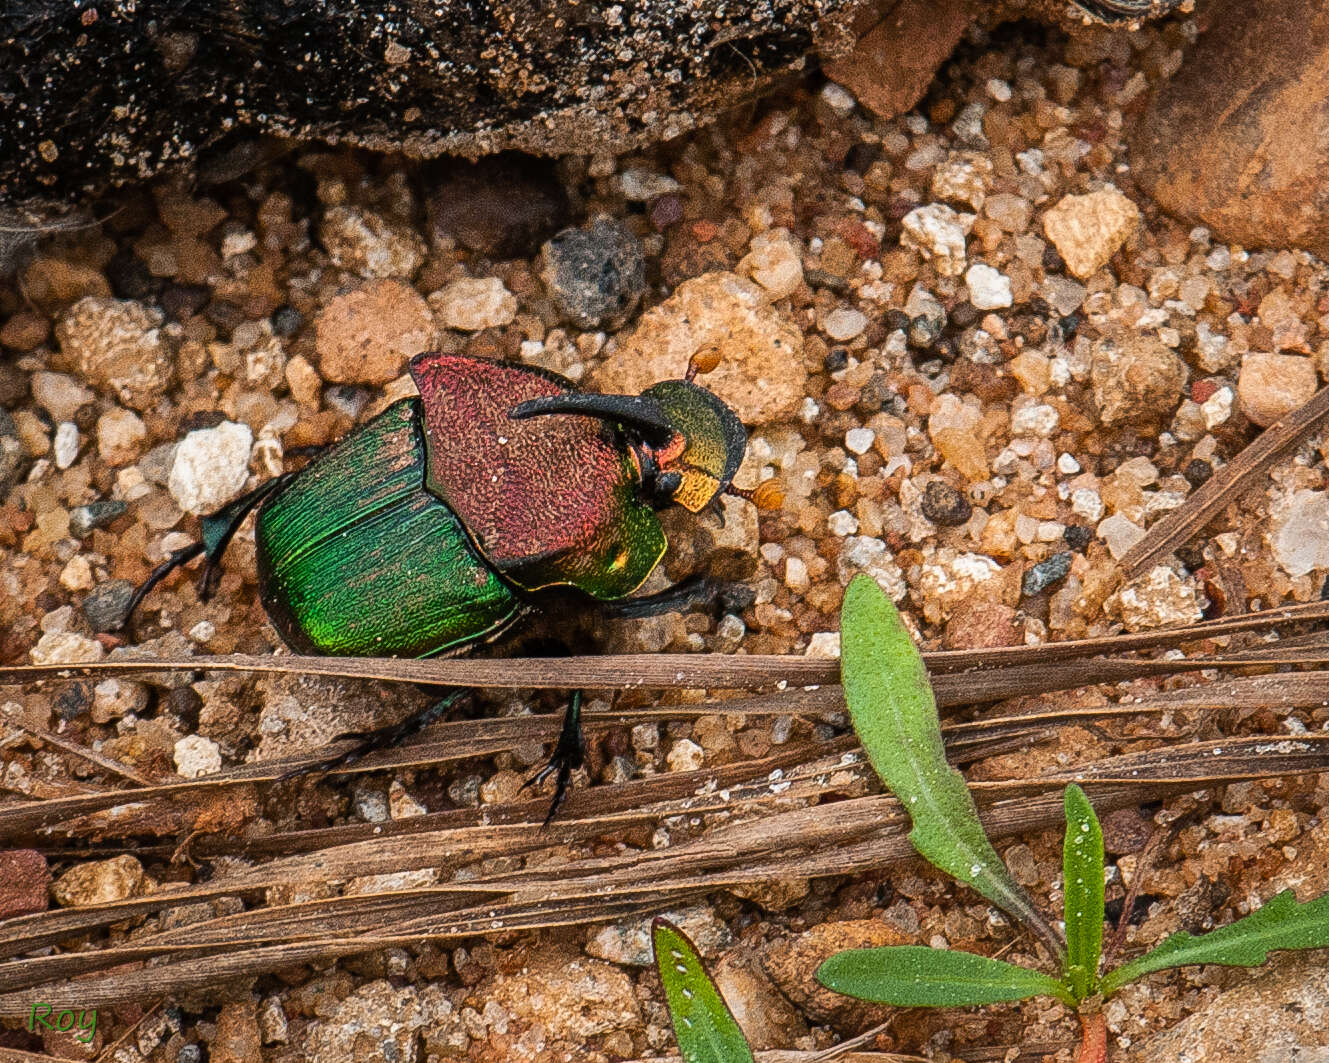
(373, 565)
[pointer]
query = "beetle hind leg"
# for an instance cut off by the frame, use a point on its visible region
(380, 737)
(569, 755)
(218, 531)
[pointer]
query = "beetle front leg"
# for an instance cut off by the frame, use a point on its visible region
(569, 755)
(693, 593)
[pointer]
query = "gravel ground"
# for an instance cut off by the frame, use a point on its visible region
(980, 363)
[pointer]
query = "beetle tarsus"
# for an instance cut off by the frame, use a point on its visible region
(569, 755)
(177, 558)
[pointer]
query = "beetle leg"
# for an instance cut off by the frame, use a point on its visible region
(680, 598)
(380, 737)
(218, 530)
(569, 755)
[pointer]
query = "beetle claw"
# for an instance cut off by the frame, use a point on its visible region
(569, 755)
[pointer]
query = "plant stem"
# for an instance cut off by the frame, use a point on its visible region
(1093, 1041)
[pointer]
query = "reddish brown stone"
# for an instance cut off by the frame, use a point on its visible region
(25, 882)
(1239, 139)
(893, 62)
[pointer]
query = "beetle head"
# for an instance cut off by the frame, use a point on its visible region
(688, 443)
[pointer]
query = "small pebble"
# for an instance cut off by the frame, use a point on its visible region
(595, 275)
(368, 244)
(859, 440)
(99, 882)
(108, 605)
(196, 755)
(1088, 230)
(65, 446)
(1120, 534)
(66, 647)
(944, 505)
(1067, 465)
(988, 288)
(1197, 472)
(685, 755)
(843, 324)
(77, 574)
(1272, 385)
(121, 435)
(842, 523)
(59, 395)
(25, 879)
(1046, 573)
(119, 347)
(773, 262)
(83, 519)
(938, 233)
(1078, 536)
(210, 467)
(113, 699)
(367, 335)
(474, 303)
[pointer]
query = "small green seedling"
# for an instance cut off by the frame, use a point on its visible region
(895, 714)
(703, 1024)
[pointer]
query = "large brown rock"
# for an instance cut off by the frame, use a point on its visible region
(893, 62)
(1239, 139)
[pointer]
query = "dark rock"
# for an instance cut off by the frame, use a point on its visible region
(73, 701)
(505, 206)
(25, 882)
(107, 605)
(286, 321)
(836, 359)
(129, 276)
(1237, 140)
(595, 275)
(1046, 573)
(1078, 536)
(1197, 471)
(83, 519)
(964, 314)
(945, 505)
(180, 301)
(13, 385)
(923, 332)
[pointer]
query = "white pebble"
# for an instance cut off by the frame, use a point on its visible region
(65, 447)
(1087, 503)
(1217, 408)
(203, 632)
(796, 575)
(77, 574)
(1067, 465)
(824, 644)
(210, 467)
(196, 755)
(998, 89)
(685, 755)
(474, 303)
(989, 289)
(1037, 419)
(65, 647)
(844, 323)
(842, 523)
(938, 233)
(859, 440)
(837, 98)
(1120, 534)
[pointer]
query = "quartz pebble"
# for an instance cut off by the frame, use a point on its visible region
(1119, 533)
(196, 755)
(59, 394)
(988, 288)
(64, 448)
(474, 303)
(843, 324)
(1088, 230)
(365, 243)
(65, 647)
(938, 233)
(1272, 385)
(1160, 598)
(774, 263)
(210, 467)
(1299, 532)
(685, 755)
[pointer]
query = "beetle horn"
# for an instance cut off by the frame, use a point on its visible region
(646, 415)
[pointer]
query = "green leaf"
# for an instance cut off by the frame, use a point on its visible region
(1280, 924)
(706, 1031)
(890, 700)
(1082, 873)
(911, 976)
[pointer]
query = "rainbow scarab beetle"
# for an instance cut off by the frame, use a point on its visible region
(427, 530)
